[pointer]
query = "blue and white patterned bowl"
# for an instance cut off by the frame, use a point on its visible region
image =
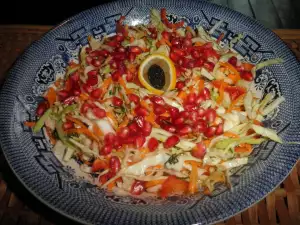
(55, 184)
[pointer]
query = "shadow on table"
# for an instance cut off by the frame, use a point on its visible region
(28, 199)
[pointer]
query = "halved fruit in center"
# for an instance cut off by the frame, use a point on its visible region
(157, 73)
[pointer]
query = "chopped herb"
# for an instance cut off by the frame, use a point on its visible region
(173, 159)
(110, 92)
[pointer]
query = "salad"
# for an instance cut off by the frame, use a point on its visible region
(157, 109)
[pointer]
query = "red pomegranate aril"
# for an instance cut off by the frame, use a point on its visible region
(96, 62)
(157, 100)
(89, 60)
(180, 85)
(92, 80)
(161, 120)
(179, 120)
(186, 129)
(193, 116)
(195, 54)
(129, 76)
(117, 143)
(62, 95)
(199, 151)
(100, 113)
(246, 75)
(117, 101)
(199, 62)
(210, 132)
(165, 35)
(141, 111)
(171, 141)
(135, 49)
(103, 53)
(200, 127)
(153, 35)
(201, 112)
(87, 88)
(184, 114)
(168, 127)
(191, 98)
(188, 35)
(85, 107)
(159, 109)
(199, 99)
(140, 141)
(106, 149)
(68, 125)
(209, 66)
(109, 138)
(140, 121)
(114, 164)
(174, 112)
(152, 144)
(174, 56)
(134, 98)
(219, 129)
(124, 132)
(42, 107)
(190, 107)
(178, 52)
(69, 100)
(137, 187)
(210, 115)
(147, 128)
(119, 37)
(113, 44)
(96, 93)
(232, 60)
(92, 73)
(191, 64)
(206, 93)
(133, 127)
(76, 92)
(176, 42)
(115, 76)
(118, 55)
(121, 49)
(187, 42)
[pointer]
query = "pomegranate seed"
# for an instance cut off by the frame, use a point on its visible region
(113, 44)
(159, 109)
(153, 35)
(134, 98)
(76, 92)
(118, 55)
(135, 49)
(180, 85)
(109, 138)
(165, 35)
(210, 115)
(124, 132)
(67, 125)
(147, 128)
(152, 144)
(92, 73)
(193, 116)
(209, 66)
(200, 127)
(219, 129)
(200, 99)
(96, 93)
(133, 127)
(206, 93)
(233, 60)
(117, 101)
(87, 88)
(174, 112)
(62, 95)
(201, 112)
(114, 164)
(187, 42)
(190, 107)
(179, 120)
(174, 56)
(106, 149)
(199, 151)
(188, 35)
(85, 107)
(246, 75)
(186, 129)
(119, 37)
(176, 42)
(100, 113)
(117, 143)
(184, 114)
(96, 63)
(42, 107)
(195, 54)
(140, 121)
(178, 52)
(199, 62)
(171, 141)
(137, 187)
(157, 100)
(168, 127)
(115, 76)
(92, 80)
(121, 49)
(210, 132)
(141, 111)
(140, 141)
(69, 100)
(191, 98)
(88, 60)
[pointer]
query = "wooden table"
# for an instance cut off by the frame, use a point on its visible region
(18, 206)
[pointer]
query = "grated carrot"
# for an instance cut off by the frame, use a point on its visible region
(230, 134)
(76, 121)
(97, 131)
(112, 116)
(201, 85)
(243, 148)
(182, 95)
(51, 96)
(153, 183)
(233, 103)
(29, 124)
(84, 131)
(84, 96)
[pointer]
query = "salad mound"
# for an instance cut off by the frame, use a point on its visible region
(157, 109)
